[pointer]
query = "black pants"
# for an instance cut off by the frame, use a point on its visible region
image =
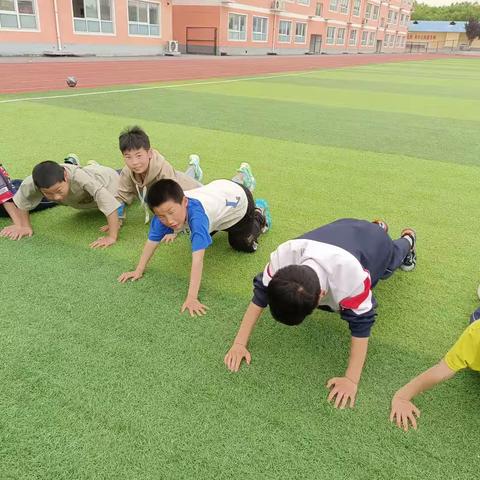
(367, 242)
(243, 235)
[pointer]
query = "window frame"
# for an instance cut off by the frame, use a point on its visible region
(149, 35)
(340, 29)
(350, 43)
(330, 5)
(229, 30)
(17, 14)
(357, 5)
(364, 41)
(334, 31)
(98, 19)
(282, 34)
(266, 28)
(304, 33)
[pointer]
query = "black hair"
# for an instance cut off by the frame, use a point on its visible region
(163, 191)
(48, 173)
(293, 293)
(133, 138)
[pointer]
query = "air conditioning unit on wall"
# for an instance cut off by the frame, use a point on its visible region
(278, 5)
(172, 48)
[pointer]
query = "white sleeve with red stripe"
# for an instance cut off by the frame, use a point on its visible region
(360, 300)
(288, 253)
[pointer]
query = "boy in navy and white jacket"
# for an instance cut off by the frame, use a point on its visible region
(334, 268)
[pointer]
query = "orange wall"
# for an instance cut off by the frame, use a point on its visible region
(193, 16)
(47, 33)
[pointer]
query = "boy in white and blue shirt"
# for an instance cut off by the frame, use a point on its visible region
(222, 205)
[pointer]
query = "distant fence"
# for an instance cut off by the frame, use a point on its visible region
(433, 47)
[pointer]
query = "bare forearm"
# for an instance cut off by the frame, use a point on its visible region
(248, 323)
(113, 225)
(148, 251)
(13, 212)
(358, 355)
(196, 274)
(425, 381)
(23, 217)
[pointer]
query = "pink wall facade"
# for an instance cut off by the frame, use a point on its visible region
(67, 26)
(296, 26)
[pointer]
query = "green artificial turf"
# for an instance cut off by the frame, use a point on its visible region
(107, 381)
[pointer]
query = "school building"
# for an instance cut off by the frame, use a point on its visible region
(437, 35)
(217, 27)
(256, 27)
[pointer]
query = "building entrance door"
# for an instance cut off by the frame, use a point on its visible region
(379, 47)
(315, 44)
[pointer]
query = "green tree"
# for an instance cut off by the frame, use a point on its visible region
(472, 29)
(460, 11)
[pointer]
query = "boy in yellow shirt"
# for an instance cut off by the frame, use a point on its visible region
(464, 354)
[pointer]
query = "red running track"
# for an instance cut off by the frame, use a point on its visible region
(17, 76)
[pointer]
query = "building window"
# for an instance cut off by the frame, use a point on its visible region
(395, 17)
(333, 5)
(284, 31)
(319, 10)
(390, 16)
(237, 27)
(392, 40)
(143, 18)
(344, 6)
(259, 31)
(353, 37)
(371, 38)
(303, 2)
(364, 38)
(368, 10)
(356, 8)
(92, 16)
(18, 14)
(330, 35)
(376, 11)
(341, 36)
(300, 32)
(386, 40)
(398, 41)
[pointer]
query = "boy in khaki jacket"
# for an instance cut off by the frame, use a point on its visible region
(90, 187)
(145, 166)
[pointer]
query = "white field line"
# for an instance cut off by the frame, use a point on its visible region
(156, 87)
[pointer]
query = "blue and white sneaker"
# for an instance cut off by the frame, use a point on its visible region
(72, 159)
(194, 161)
(475, 316)
(262, 206)
(246, 176)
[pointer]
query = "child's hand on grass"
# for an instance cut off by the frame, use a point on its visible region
(103, 242)
(404, 412)
(235, 355)
(342, 389)
(106, 228)
(14, 232)
(194, 307)
(130, 276)
(168, 238)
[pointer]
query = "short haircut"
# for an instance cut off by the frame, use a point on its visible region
(133, 138)
(163, 191)
(293, 293)
(48, 173)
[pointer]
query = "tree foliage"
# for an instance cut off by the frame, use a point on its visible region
(472, 29)
(461, 11)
